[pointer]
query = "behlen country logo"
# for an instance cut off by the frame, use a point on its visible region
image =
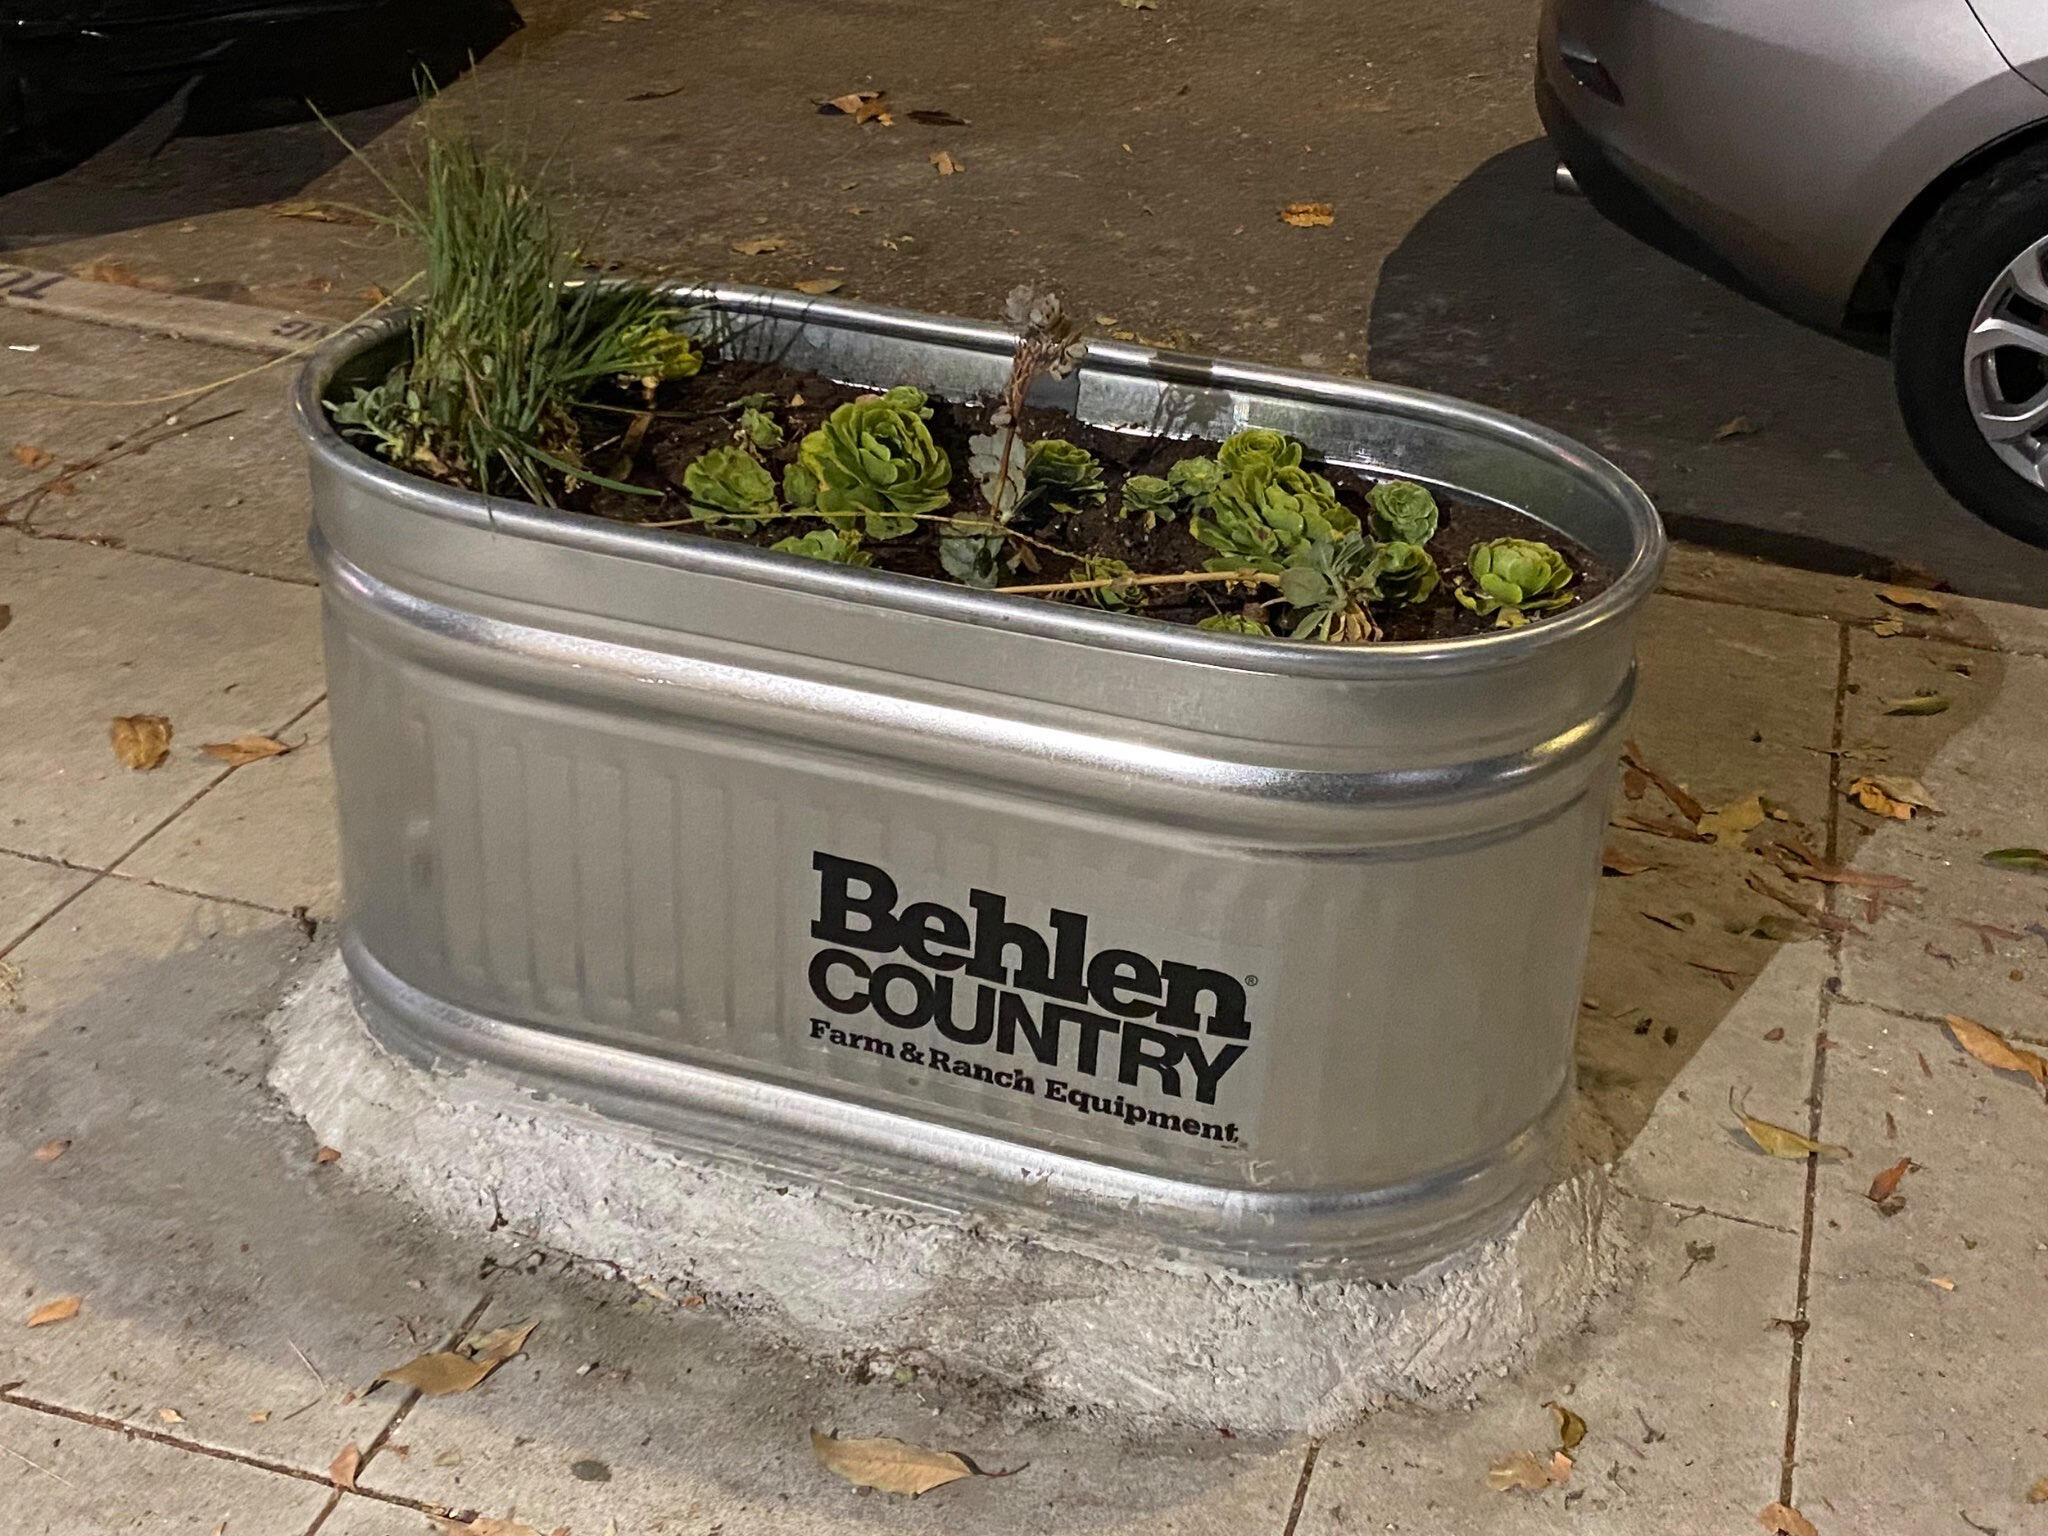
(986, 981)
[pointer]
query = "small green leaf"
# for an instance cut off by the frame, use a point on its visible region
(1917, 704)
(2032, 860)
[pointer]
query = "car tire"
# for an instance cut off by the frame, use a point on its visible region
(1957, 267)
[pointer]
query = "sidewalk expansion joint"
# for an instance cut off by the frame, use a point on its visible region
(1308, 1472)
(113, 865)
(1686, 1212)
(96, 541)
(1938, 1020)
(1912, 631)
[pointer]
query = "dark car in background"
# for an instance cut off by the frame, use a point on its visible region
(1878, 168)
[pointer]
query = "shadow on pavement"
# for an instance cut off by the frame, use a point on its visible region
(1752, 432)
(133, 132)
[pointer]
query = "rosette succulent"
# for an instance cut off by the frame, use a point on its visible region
(1236, 624)
(1065, 474)
(1294, 506)
(1401, 572)
(1151, 498)
(825, 544)
(1513, 578)
(1196, 479)
(1328, 584)
(756, 426)
(1402, 512)
(653, 350)
(1258, 445)
(872, 465)
(728, 486)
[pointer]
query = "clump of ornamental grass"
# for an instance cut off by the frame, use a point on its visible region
(508, 337)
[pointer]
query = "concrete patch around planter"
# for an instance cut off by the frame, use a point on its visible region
(1141, 1337)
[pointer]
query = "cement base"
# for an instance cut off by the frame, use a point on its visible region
(1042, 1321)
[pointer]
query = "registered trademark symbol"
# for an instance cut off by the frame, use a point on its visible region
(1251, 981)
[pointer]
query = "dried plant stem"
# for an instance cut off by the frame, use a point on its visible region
(1170, 579)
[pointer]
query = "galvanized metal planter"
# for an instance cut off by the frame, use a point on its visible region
(1255, 952)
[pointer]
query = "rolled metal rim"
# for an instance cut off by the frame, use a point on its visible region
(1632, 583)
(2012, 318)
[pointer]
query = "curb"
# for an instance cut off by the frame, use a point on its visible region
(241, 326)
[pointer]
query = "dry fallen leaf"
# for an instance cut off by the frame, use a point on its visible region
(170, 1415)
(890, 1466)
(1571, 1429)
(62, 1310)
(440, 1373)
(140, 741)
(325, 1155)
(1728, 823)
(1941, 1282)
(483, 1525)
(848, 104)
(1669, 788)
(1308, 215)
(1524, 1473)
(342, 1470)
(1614, 862)
(1891, 795)
(1886, 1184)
(1991, 1048)
(1780, 1142)
(304, 210)
(29, 456)
(2038, 1494)
(260, 1416)
(1735, 426)
(1918, 704)
(1888, 626)
(760, 247)
(945, 164)
(1910, 597)
(818, 285)
(104, 271)
(53, 1149)
(501, 1344)
(633, 15)
(1784, 1520)
(251, 748)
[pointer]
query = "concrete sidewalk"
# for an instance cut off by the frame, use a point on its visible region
(1783, 1338)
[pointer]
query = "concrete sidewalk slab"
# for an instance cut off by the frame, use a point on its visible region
(99, 633)
(28, 889)
(1924, 1374)
(220, 480)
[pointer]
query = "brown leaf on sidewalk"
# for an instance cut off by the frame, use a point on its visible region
(1525, 1472)
(170, 1415)
(1918, 704)
(889, 1466)
(53, 1149)
(251, 748)
(141, 742)
(1780, 1142)
(1614, 862)
(1668, 787)
(62, 1310)
(103, 270)
(1910, 597)
(1891, 624)
(2033, 861)
(759, 247)
(501, 1344)
(29, 456)
(1571, 1429)
(444, 1372)
(1784, 1520)
(1798, 863)
(6, 615)
(299, 209)
(483, 1525)
(1886, 1184)
(1991, 1048)
(1891, 795)
(325, 1155)
(1735, 426)
(1308, 215)
(945, 164)
(341, 1471)
(861, 106)
(1730, 823)
(2038, 1494)
(817, 285)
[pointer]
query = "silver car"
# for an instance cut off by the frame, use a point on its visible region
(1875, 167)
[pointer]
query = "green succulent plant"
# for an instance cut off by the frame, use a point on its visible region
(1328, 585)
(1296, 507)
(756, 426)
(825, 544)
(1103, 568)
(1236, 624)
(1149, 497)
(1402, 512)
(1513, 578)
(1196, 479)
(1258, 444)
(1066, 474)
(1401, 572)
(654, 350)
(872, 465)
(973, 559)
(728, 486)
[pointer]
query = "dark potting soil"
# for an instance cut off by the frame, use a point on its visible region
(692, 416)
